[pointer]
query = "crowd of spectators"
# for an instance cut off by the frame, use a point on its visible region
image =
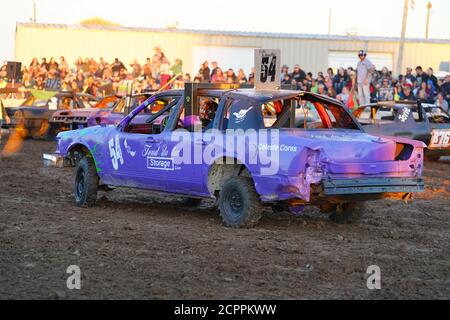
(101, 77)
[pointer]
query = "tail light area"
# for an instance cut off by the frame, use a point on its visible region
(403, 151)
(407, 152)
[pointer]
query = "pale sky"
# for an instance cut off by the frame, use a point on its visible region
(365, 17)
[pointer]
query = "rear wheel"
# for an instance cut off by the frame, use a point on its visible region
(86, 183)
(347, 213)
(239, 203)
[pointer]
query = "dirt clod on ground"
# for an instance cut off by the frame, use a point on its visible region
(138, 244)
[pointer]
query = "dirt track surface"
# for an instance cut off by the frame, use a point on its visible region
(138, 244)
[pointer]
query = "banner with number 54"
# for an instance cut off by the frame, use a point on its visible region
(267, 69)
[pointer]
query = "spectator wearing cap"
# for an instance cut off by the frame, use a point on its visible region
(364, 72)
(407, 93)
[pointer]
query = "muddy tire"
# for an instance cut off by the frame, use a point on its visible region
(192, 202)
(347, 213)
(239, 204)
(86, 183)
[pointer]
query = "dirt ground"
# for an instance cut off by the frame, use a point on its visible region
(141, 245)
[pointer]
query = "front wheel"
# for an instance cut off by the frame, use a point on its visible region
(239, 203)
(86, 183)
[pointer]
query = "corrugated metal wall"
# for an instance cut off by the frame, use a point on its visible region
(127, 45)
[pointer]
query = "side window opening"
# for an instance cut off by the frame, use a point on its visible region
(154, 118)
(322, 115)
(207, 107)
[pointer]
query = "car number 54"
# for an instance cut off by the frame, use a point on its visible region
(115, 152)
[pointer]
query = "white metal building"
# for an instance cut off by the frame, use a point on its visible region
(231, 49)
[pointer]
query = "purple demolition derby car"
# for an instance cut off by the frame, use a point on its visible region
(243, 148)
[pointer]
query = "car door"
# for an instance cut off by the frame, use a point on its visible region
(138, 153)
(187, 149)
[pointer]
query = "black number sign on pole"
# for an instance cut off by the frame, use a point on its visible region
(268, 70)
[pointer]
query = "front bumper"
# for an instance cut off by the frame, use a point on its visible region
(54, 160)
(334, 187)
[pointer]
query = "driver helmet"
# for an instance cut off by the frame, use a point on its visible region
(208, 112)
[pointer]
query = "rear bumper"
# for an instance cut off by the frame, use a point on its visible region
(372, 186)
(54, 160)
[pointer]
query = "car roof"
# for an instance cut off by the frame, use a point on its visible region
(258, 95)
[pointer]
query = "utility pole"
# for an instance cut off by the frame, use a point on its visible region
(402, 37)
(429, 6)
(34, 12)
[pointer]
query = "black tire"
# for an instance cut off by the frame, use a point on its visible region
(239, 204)
(347, 213)
(192, 202)
(86, 183)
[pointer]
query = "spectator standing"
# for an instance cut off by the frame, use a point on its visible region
(63, 65)
(339, 80)
(177, 68)
(364, 74)
(147, 68)
(214, 67)
(432, 77)
(420, 76)
(117, 65)
(156, 62)
(137, 69)
(164, 70)
(409, 76)
(298, 74)
(206, 73)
